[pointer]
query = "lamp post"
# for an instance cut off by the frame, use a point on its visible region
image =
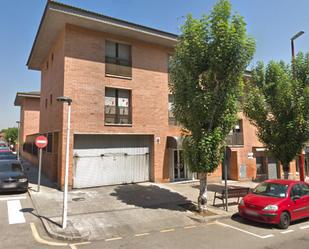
(18, 138)
(301, 156)
(66, 174)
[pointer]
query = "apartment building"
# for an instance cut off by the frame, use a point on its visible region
(29, 103)
(123, 130)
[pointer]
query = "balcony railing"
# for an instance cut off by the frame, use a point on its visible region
(235, 139)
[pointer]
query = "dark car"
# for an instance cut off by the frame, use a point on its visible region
(276, 202)
(12, 176)
(7, 156)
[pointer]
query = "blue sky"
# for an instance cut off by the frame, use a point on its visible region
(270, 22)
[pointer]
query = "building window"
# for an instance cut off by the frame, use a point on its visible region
(117, 106)
(52, 57)
(49, 147)
(51, 99)
(169, 57)
(260, 165)
(118, 59)
(171, 117)
(47, 65)
(46, 103)
(235, 137)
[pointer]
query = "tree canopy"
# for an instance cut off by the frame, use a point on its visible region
(277, 104)
(206, 81)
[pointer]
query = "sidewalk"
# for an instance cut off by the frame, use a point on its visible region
(117, 211)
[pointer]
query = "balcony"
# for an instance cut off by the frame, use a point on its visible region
(235, 139)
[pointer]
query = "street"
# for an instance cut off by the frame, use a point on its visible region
(20, 228)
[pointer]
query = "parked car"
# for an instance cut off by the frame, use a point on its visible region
(276, 202)
(7, 156)
(12, 176)
(4, 149)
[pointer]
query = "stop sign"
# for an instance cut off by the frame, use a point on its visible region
(41, 142)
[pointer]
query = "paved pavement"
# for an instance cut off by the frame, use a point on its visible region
(116, 211)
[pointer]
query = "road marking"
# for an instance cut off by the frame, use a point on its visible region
(304, 227)
(287, 231)
(244, 231)
(43, 241)
(189, 227)
(167, 230)
(13, 198)
(141, 234)
(116, 238)
(15, 215)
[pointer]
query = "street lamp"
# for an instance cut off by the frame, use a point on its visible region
(301, 156)
(293, 51)
(18, 138)
(66, 174)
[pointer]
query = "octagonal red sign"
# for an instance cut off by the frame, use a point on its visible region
(41, 142)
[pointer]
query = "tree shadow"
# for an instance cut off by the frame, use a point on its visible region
(151, 197)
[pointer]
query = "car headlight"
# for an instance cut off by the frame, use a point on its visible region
(271, 208)
(22, 179)
(242, 203)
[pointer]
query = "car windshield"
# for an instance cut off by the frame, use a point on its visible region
(271, 189)
(9, 166)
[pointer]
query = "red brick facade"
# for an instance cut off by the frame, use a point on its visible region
(74, 66)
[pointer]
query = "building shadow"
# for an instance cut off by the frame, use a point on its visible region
(32, 174)
(151, 197)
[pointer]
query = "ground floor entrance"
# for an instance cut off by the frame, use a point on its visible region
(101, 160)
(179, 170)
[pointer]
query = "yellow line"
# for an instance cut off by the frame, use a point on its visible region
(167, 230)
(188, 227)
(111, 239)
(141, 234)
(74, 246)
(43, 241)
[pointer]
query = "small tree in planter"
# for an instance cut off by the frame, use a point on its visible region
(206, 81)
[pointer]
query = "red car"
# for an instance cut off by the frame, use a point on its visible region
(276, 202)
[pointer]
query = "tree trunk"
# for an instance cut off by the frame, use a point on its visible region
(202, 199)
(286, 170)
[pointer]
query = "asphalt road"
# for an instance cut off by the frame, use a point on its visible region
(21, 229)
(16, 215)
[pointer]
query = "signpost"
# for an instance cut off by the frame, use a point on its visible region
(40, 142)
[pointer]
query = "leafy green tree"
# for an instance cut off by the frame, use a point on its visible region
(277, 104)
(10, 135)
(206, 81)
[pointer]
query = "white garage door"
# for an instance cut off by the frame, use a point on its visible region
(110, 159)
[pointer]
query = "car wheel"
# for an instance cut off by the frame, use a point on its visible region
(284, 220)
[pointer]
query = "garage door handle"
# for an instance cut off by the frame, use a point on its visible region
(102, 155)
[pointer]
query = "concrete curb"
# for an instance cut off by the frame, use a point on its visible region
(66, 235)
(69, 234)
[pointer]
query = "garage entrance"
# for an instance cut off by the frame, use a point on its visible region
(111, 159)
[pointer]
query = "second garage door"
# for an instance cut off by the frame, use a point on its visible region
(110, 159)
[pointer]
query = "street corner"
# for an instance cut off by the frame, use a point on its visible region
(73, 232)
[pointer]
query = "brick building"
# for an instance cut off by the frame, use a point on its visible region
(116, 73)
(29, 103)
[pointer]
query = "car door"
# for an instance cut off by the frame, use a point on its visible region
(305, 197)
(298, 202)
